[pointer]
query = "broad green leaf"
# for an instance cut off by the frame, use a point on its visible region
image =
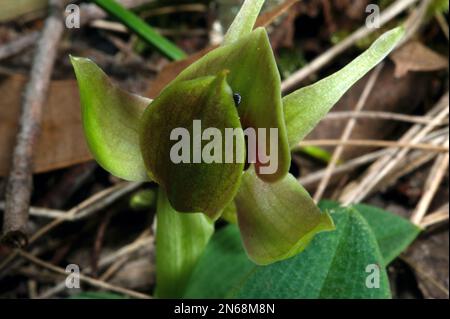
(277, 220)
(244, 21)
(394, 233)
(334, 265)
(111, 119)
(304, 108)
(177, 162)
(180, 240)
(254, 75)
(222, 267)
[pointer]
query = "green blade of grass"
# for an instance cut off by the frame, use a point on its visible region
(141, 28)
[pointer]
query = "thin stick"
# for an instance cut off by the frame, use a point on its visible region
(380, 115)
(89, 206)
(375, 143)
(88, 12)
(347, 133)
(355, 189)
(410, 163)
(367, 158)
(18, 45)
(381, 167)
(432, 183)
(388, 14)
(18, 189)
(437, 217)
(87, 279)
(142, 241)
(42, 212)
(349, 165)
(443, 24)
(108, 273)
(386, 169)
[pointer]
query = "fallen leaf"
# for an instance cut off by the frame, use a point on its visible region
(416, 57)
(61, 142)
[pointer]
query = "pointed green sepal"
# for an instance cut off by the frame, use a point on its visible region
(244, 21)
(254, 76)
(193, 144)
(111, 119)
(304, 108)
(277, 220)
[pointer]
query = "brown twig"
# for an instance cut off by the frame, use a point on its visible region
(87, 279)
(89, 206)
(143, 240)
(98, 243)
(18, 189)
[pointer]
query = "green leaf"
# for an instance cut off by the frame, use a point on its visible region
(194, 185)
(304, 108)
(141, 28)
(111, 119)
(244, 21)
(254, 75)
(180, 240)
(394, 233)
(143, 200)
(222, 267)
(277, 220)
(332, 266)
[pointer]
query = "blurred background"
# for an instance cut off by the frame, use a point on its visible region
(82, 215)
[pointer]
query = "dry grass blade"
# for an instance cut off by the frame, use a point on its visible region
(89, 206)
(432, 138)
(144, 240)
(378, 170)
(434, 218)
(87, 279)
(347, 133)
(387, 15)
(432, 183)
(375, 115)
(376, 143)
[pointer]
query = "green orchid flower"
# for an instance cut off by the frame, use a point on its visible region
(236, 86)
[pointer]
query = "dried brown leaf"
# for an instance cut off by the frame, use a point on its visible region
(61, 142)
(416, 57)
